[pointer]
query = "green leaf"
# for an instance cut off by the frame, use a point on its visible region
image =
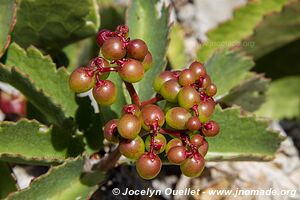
(51, 25)
(7, 182)
(283, 99)
(227, 70)
(61, 182)
(176, 50)
(283, 27)
(250, 94)
(241, 26)
(242, 137)
(30, 142)
(150, 24)
(7, 23)
(36, 77)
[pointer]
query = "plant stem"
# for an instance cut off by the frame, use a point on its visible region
(152, 100)
(171, 132)
(134, 96)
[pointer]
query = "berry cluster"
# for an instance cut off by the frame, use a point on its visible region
(129, 58)
(145, 130)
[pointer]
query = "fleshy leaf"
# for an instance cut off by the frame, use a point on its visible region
(242, 137)
(228, 69)
(148, 22)
(60, 182)
(283, 99)
(7, 182)
(7, 23)
(241, 26)
(30, 142)
(51, 25)
(46, 87)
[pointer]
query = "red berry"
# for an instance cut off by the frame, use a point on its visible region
(206, 81)
(173, 143)
(198, 69)
(123, 30)
(177, 155)
(147, 62)
(193, 167)
(129, 126)
(152, 114)
(102, 36)
(160, 143)
(187, 77)
(197, 140)
(169, 90)
(132, 71)
(81, 79)
(161, 79)
(137, 49)
(132, 149)
(148, 166)
(193, 124)
(211, 129)
(110, 131)
(105, 93)
(113, 49)
(188, 97)
(205, 110)
(177, 117)
(203, 148)
(211, 90)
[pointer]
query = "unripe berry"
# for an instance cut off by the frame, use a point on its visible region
(148, 166)
(169, 90)
(131, 71)
(198, 69)
(206, 81)
(137, 49)
(160, 143)
(197, 140)
(205, 110)
(188, 97)
(129, 126)
(177, 117)
(113, 49)
(203, 149)
(81, 79)
(193, 124)
(110, 131)
(193, 167)
(132, 149)
(187, 77)
(211, 129)
(177, 155)
(147, 62)
(105, 93)
(211, 90)
(173, 143)
(161, 79)
(152, 114)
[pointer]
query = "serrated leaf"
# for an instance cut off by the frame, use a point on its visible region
(283, 99)
(51, 25)
(241, 26)
(242, 137)
(7, 182)
(46, 87)
(61, 182)
(148, 22)
(227, 70)
(283, 27)
(250, 94)
(176, 49)
(30, 142)
(7, 23)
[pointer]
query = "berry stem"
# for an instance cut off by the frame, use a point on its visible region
(133, 94)
(109, 69)
(176, 133)
(152, 100)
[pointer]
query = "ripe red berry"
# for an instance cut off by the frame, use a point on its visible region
(81, 79)
(188, 97)
(205, 110)
(129, 126)
(198, 69)
(152, 114)
(197, 140)
(102, 36)
(193, 124)
(137, 49)
(161, 79)
(211, 90)
(160, 143)
(206, 81)
(132, 149)
(131, 71)
(177, 117)
(203, 149)
(211, 129)
(105, 93)
(187, 77)
(147, 62)
(148, 166)
(193, 167)
(113, 49)
(177, 155)
(173, 143)
(110, 131)
(169, 90)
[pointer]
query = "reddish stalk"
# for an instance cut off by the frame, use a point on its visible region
(133, 94)
(152, 100)
(171, 132)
